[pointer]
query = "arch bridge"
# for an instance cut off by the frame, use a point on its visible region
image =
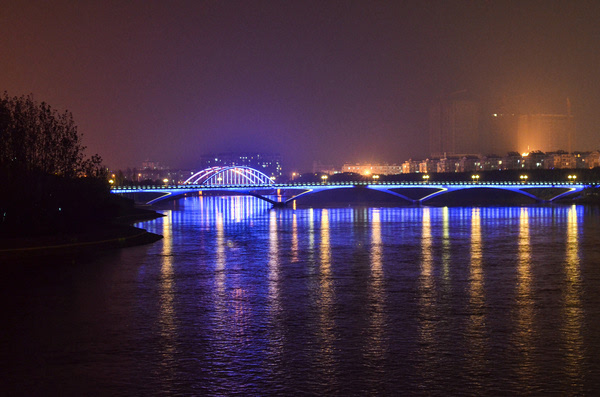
(249, 181)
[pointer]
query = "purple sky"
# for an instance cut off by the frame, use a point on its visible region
(331, 81)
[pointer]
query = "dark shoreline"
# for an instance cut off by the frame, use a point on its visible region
(116, 235)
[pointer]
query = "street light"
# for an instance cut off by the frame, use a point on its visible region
(572, 178)
(165, 181)
(475, 178)
(523, 178)
(375, 177)
(324, 178)
(426, 178)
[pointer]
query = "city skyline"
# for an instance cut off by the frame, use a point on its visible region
(331, 82)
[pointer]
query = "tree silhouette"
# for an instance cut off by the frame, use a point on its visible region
(35, 137)
(49, 186)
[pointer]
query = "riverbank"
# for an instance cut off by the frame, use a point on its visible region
(115, 235)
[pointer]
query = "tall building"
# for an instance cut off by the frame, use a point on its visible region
(499, 133)
(269, 163)
(545, 132)
(454, 126)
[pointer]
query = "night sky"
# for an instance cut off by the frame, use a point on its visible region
(331, 81)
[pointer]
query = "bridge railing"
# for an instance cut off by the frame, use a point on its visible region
(359, 183)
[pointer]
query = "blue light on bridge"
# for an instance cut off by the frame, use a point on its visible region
(248, 181)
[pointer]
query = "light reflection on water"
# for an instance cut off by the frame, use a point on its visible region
(427, 300)
(476, 326)
(375, 344)
(573, 310)
(525, 334)
(325, 301)
(167, 310)
(241, 298)
(314, 238)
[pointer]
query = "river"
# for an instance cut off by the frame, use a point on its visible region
(242, 299)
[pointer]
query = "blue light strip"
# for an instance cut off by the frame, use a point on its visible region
(443, 187)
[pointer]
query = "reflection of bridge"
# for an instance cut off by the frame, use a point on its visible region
(245, 180)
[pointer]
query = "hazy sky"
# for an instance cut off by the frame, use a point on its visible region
(331, 81)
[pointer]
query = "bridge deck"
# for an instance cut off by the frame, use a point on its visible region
(524, 188)
(123, 189)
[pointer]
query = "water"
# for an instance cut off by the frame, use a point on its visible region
(241, 299)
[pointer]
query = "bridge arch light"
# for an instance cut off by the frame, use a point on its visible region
(229, 175)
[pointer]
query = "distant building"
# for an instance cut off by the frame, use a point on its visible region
(512, 161)
(448, 164)
(157, 173)
(499, 133)
(534, 160)
(410, 166)
(593, 159)
(372, 169)
(582, 159)
(269, 163)
(454, 128)
(545, 132)
(470, 164)
(319, 167)
(151, 165)
(491, 163)
(560, 159)
(426, 166)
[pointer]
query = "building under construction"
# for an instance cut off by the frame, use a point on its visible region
(546, 132)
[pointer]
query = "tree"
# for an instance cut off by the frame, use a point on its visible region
(42, 163)
(35, 137)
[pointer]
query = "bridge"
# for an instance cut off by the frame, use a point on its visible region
(248, 181)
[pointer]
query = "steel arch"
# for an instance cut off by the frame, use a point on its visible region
(229, 175)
